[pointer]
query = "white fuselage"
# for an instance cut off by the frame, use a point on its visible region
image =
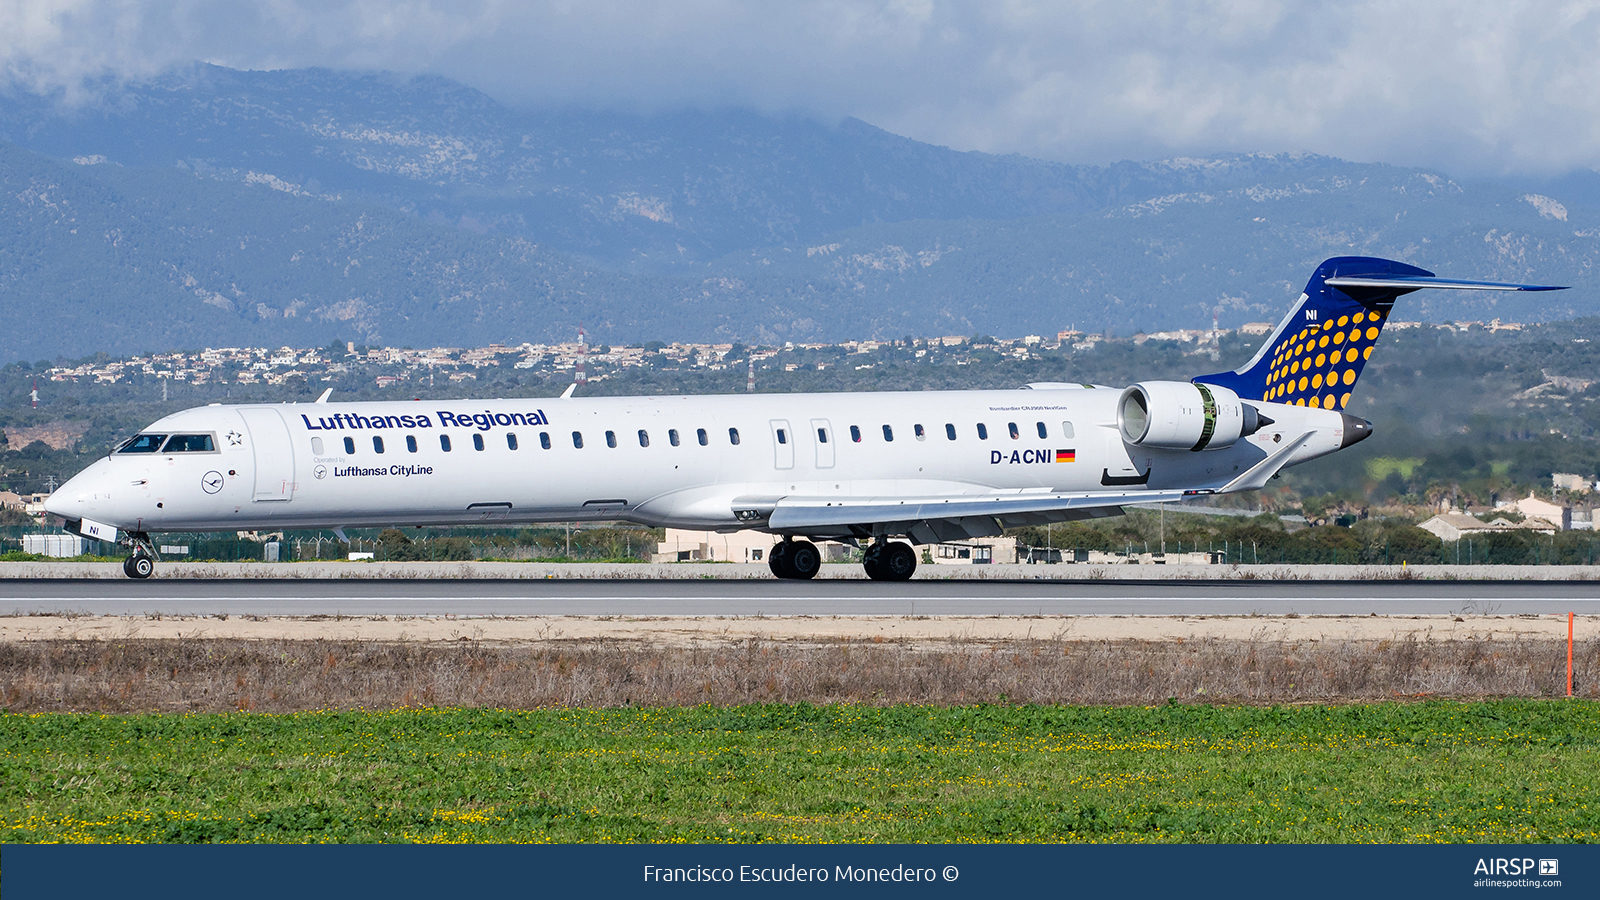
(316, 465)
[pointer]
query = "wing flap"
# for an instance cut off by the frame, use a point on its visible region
(951, 514)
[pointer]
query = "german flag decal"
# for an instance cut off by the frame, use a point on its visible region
(1066, 456)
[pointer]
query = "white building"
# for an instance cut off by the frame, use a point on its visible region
(1457, 526)
(983, 551)
(682, 545)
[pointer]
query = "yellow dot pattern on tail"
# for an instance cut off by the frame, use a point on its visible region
(1332, 352)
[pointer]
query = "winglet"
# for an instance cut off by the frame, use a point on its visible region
(1256, 477)
(567, 394)
(325, 395)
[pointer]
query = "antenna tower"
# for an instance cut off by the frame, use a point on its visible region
(579, 377)
(750, 378)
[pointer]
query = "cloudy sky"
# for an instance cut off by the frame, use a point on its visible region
(1473, 88)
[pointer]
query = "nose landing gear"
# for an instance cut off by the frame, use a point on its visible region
(142, 564)
(138, 566)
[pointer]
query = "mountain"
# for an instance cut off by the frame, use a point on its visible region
(213, 206)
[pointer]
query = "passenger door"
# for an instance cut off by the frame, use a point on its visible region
(273, 452)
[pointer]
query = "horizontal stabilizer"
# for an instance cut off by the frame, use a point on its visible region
(1417, 282)
(1318, 351)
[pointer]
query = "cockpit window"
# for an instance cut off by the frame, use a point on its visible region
(143, 443)
(190, 443)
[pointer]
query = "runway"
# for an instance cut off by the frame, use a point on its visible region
(434, 597)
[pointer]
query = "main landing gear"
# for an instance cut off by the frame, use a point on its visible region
(889, 561)
(883, 560)
(142, 564)
(794, 559)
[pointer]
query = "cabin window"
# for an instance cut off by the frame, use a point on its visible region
(477, 442)
(983, 432)
(855, 434)
(611, 439)
(1066, 429)
(888, 433)
(377, 444)
(444, 442)
(190, 443)
(544, 439)
(949, 431)
(672, 436)
(316, 446)
(511, 441)
(822, 435)
(733, 436)
(350, 445)
(411, 443)
(577, 439)
(701, 434)
(917, 430)
(644, 438)
(143, 443)
(1043, 431)
(1012, 427)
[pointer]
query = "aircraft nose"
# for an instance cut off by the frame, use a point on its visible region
(1355, 430)
(69, 500)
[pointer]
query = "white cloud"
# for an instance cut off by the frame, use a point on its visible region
(1473, 87)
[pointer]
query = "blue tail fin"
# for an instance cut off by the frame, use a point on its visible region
(1317, 352)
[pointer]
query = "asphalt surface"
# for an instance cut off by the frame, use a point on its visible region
(434, 597)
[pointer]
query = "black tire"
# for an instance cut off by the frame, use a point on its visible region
(778, 559)
(898, 562)
(127, 567)
(872, 561)
(139, 566)
(804, 560)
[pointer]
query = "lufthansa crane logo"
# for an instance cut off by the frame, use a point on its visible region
(211, 482)
(321, 472)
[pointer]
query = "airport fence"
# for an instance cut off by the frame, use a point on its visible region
(390, 545)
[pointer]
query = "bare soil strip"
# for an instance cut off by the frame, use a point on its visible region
(685, 631)
(112, 664)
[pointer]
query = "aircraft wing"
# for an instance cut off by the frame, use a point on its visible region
(942, 518)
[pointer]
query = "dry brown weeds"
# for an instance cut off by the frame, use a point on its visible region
(213, 675)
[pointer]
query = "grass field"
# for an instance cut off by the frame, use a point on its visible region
(1512, 771)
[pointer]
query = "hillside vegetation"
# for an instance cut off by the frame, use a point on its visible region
(298, 207)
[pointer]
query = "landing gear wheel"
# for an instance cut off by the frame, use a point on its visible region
(138, 566)
(898, 562)
(804, 560)
(794, 559)
(778, 559)
(872, 561)
(889, 561)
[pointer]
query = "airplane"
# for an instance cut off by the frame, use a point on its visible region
(881, 471)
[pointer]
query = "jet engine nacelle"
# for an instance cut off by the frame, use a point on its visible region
(1179, 415)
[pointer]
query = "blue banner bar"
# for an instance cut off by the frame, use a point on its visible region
(394, 871)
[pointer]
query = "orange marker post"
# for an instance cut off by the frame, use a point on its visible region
(1569, 654)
